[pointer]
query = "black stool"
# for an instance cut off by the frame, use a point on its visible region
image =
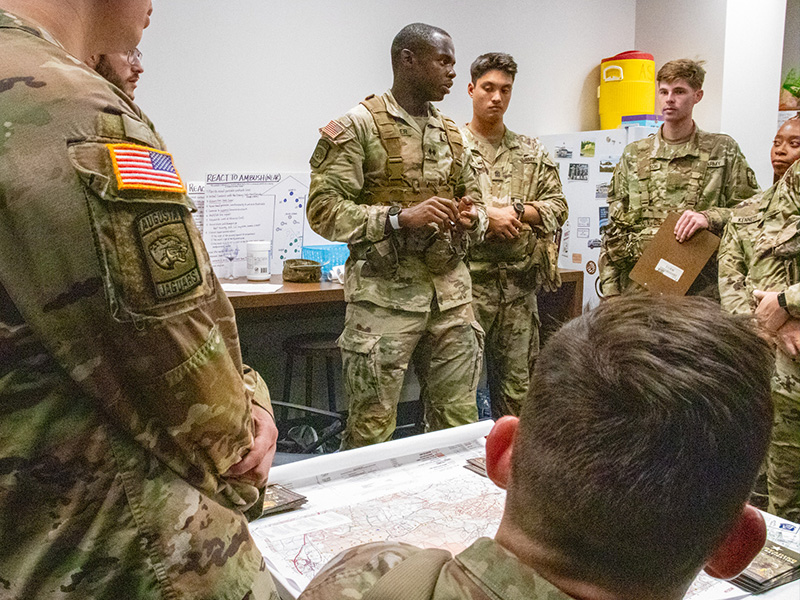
(310, 345)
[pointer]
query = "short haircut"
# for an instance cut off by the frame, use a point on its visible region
(683, 68)
(417, 37)
(646, 423)
(493, 61)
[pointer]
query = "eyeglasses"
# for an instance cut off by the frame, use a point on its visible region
(134, 57)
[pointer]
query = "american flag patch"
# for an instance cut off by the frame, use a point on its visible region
(332, 129)
(143, 168)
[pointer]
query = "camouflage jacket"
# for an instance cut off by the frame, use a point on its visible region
(348, 173)
(739, 271)
(519, 169)
(123, 392)
(484, 571)
(775, 263)
(708, 174)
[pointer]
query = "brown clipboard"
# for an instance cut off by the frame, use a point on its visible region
(669, 267)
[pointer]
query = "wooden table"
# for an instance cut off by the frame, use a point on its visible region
(291, 294)
(307, 298)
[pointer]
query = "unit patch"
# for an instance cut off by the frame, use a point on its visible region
(751, 179)
(320, 153)
(143, 168)
(168, 252)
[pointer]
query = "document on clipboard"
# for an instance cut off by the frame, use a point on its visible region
(670, 267)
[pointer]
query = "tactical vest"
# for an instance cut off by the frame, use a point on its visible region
(644, 168)
(441, 251)
(401, 189)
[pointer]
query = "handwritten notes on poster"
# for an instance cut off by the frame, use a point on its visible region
(244, 207)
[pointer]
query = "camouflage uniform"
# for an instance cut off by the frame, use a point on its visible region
(507, 273)
(403, 297)
(484, 571)
(708, 174)
(124, 396)
(760, 250)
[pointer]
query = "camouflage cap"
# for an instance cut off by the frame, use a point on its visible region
(301, 270)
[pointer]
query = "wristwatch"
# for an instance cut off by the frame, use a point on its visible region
(519, 206)
(782, 299)
(394, 216)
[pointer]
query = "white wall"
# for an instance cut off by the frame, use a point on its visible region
(791, 41)
(688, 29)
(245, 84)
(742, 44)
(752, 79)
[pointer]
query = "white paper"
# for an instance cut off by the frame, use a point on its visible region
(667, 269)
(250, 207)
(196, 191)
(251, 288)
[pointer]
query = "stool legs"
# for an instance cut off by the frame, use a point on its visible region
(309, 379)
(287, 386)
(331, 384)
(310, 347)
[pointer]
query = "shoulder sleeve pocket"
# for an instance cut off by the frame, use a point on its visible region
(152, 258)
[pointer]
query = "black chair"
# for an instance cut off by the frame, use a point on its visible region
(308, 434)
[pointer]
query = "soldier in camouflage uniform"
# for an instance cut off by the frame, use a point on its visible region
(387, 178)
(133, 440)
(607, 469)
(759, 252)
(680, 169)
(526, 206)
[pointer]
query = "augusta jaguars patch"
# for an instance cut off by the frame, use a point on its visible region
(168, 252)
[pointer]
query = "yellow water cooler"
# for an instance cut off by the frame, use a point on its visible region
(627, 87)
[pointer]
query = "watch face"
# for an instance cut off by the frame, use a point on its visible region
(519, 207)
(394, 210)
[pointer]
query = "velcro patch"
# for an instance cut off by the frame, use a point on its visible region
(143, 168)
(320, 153)
(168, 252)
(751, 179)
(332, 129)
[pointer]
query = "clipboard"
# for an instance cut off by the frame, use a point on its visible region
(669, 267)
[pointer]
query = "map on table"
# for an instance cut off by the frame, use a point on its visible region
(415, 491)
(424, 498)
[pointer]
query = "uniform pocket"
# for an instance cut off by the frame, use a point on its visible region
(153, 260)
(360, 355)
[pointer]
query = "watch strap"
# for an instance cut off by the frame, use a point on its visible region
(782, 299)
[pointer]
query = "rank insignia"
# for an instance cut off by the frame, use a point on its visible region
(142, 168)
